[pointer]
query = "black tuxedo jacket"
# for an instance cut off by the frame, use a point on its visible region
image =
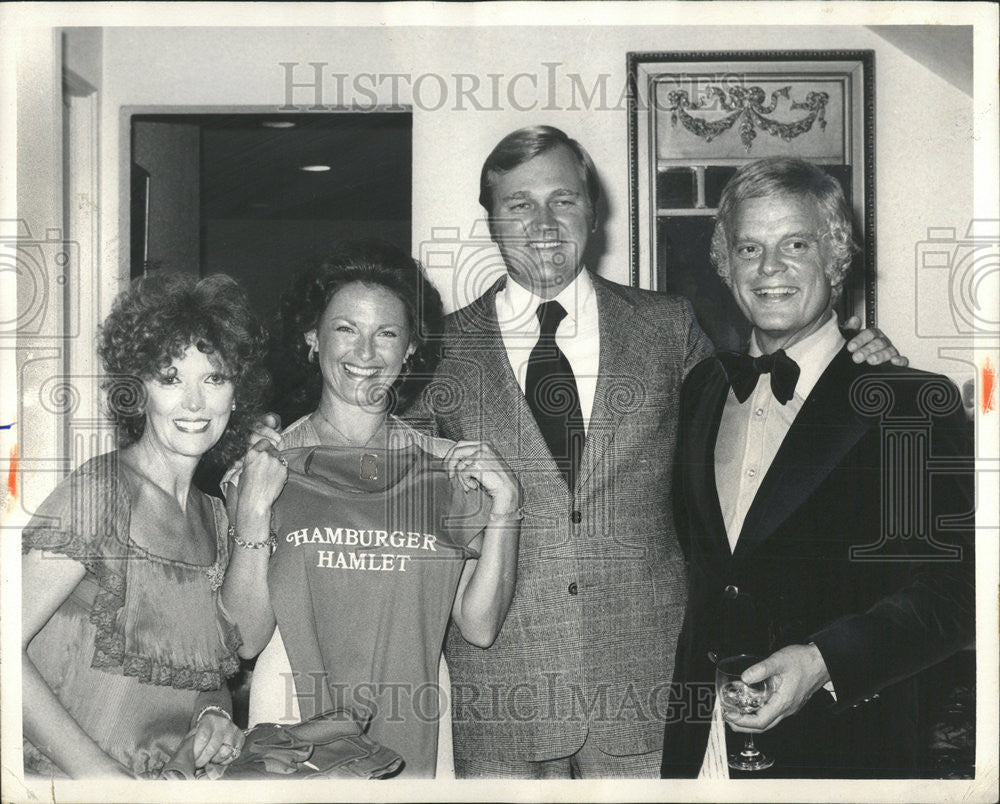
(860, 539)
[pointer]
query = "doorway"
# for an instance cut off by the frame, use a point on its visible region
(261, 196)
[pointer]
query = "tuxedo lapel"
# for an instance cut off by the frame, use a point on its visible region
(518, 438)
(700, 437)
(825, 429)
(622, 367)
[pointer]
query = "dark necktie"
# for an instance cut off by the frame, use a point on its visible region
(743, 371)
(551, 392)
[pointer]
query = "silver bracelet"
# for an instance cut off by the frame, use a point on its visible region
(271, 542)
(511, 516)
(212, 708)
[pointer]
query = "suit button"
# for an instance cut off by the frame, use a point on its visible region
(576, 517)
(572, 588)
(732, 592)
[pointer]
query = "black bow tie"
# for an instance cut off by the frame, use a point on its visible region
(743, 371)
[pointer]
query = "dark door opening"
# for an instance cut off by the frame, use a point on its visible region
(260, 196)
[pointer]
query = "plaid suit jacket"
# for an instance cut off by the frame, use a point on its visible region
(588, 644)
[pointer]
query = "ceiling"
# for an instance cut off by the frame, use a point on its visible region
(251, 169)
(943, 49)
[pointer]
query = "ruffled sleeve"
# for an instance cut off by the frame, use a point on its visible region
(88, 518)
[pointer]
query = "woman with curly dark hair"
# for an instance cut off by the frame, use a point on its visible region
(125, 646)
(380, 534)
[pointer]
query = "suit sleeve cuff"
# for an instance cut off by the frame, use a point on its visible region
(843, 652)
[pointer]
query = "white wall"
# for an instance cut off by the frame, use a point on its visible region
(923, 124)
(40, 361)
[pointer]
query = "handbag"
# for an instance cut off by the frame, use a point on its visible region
(331, 745)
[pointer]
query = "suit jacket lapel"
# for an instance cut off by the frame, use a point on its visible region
(824, 431)
(621, 369)
(519, 441)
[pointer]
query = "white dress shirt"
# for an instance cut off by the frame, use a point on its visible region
(749, 437)
(578, 335)
(750, 433)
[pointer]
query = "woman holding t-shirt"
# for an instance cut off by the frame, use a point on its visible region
(379, 534)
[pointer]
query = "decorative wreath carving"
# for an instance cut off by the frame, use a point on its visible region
(747, 107)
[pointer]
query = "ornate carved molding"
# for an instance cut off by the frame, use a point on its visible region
(746, 105)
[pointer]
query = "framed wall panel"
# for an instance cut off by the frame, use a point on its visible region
(695, 118)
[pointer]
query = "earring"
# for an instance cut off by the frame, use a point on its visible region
(233, 408)
(313, 351)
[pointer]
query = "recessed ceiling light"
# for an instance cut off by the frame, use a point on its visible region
(315, 168)
(277, 124)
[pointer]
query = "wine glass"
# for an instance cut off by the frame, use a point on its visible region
(738, 697)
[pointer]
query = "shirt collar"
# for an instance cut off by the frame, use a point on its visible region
(516, 305)
(813, 353)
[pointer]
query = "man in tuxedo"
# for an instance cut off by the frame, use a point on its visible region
(825, 509)
(575, 381)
